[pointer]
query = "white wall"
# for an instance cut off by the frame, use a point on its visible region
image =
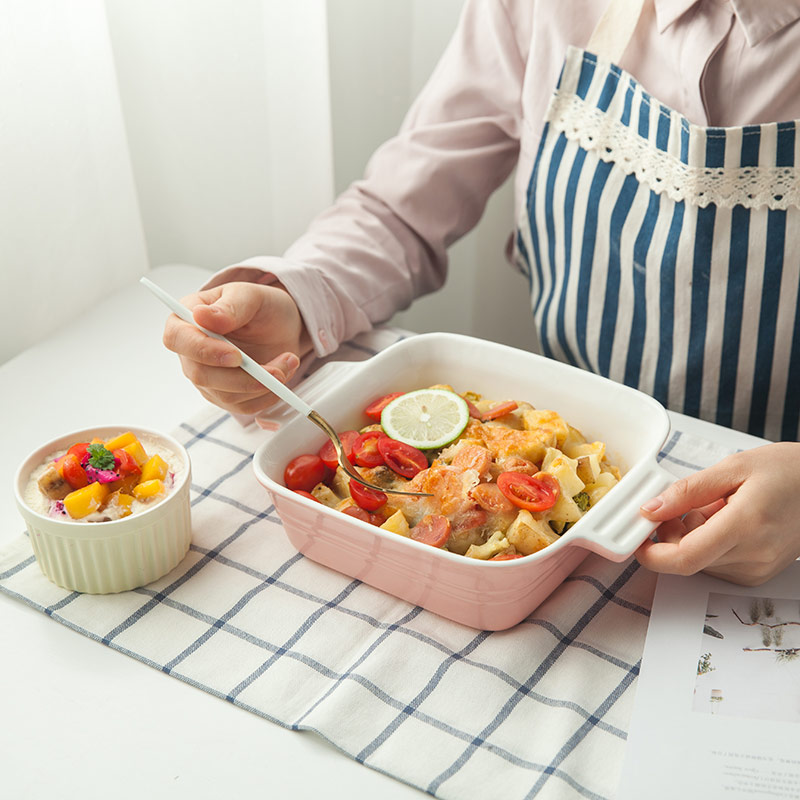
(135, 134)
(227, 110)
(70, 230)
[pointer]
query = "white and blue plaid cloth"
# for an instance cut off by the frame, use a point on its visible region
(539, 710)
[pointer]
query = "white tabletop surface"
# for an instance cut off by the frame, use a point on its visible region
(79, 720)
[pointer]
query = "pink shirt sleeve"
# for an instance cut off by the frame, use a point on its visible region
(384, 241)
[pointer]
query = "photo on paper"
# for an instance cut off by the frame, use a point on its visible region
(749, 661)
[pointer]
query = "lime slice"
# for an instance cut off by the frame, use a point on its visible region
(425, 418)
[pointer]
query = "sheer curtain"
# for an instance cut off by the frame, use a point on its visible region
(135, 134)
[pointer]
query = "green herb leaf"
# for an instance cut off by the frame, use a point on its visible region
(100, 457)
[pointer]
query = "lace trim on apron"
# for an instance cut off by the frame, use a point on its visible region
(612, 141)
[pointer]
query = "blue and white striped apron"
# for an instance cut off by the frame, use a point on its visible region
(665, 255)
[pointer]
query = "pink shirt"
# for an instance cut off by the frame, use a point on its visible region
(384, 241)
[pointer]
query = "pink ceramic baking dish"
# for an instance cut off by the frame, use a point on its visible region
(482, 594)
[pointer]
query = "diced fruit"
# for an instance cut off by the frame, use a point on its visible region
(79, 450)
(127, 463)
(123, 440)
(147, 490)
(72, 471)
(137, 451)
(155, 468)
(52, 484)
(84, 501)
(122, 501)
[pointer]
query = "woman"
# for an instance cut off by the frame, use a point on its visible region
(662, 249)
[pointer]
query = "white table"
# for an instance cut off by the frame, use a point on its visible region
(80, 720)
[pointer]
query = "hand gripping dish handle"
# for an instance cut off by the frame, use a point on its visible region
(617, 528)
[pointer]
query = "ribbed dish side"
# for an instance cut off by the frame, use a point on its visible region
(110, 565)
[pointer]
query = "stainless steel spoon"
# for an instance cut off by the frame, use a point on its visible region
(276, 387)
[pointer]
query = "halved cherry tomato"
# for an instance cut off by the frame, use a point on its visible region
(304, 493)
(305, 472)
(489, 497)
(72, 471)
(365, 449)
(374, 409)
(126, 463)
(432, 529)
(402, 458)
(80, 450)
(505, 556)
(500, 410)
(532, 492)
(366, 498)
(328, 452)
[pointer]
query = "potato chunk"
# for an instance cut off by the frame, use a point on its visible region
(529, 535)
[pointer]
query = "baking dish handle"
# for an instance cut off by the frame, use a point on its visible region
(310, 389)
(617, 528)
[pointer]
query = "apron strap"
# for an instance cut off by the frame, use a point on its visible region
(615, 29)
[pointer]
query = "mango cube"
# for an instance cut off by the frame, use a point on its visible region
(147, 490)
(136, 450)
(122, 501)
(155, 468)
(118, 442)
(82, 502)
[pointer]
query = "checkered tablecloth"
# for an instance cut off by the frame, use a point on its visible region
(539, 710)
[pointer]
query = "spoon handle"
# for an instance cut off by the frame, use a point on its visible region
(248, 364)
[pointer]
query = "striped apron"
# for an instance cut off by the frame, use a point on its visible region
(662, 254)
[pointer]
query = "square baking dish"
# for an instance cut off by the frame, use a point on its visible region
(481, 594)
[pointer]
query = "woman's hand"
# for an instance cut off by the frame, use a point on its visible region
(738, 520)
(262, 320)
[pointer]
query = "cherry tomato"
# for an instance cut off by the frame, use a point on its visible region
(328, 452)
(432, 529)
(374, 409)
(366, 498)
(126, 463)
(304, 472)
(500, 410)
(72, 471)
(80, 450)
(402, 458)
(489, 497)
(365, 449)
(533, 492)
(505, 556)
(358, 513)
(304, 493)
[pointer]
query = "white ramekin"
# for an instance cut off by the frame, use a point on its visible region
(114, 556)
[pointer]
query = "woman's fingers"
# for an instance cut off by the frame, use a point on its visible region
(698, 490)
(701, 546)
